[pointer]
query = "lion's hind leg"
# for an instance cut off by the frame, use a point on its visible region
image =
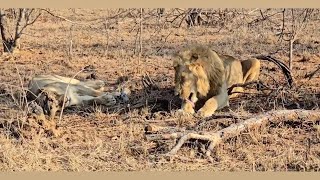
(235, 92)
(251, 70)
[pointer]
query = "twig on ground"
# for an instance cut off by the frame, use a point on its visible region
(87, 68)
(285, 69)
(310, 75)
(63, 18)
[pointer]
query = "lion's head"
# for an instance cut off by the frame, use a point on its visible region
(198, 72)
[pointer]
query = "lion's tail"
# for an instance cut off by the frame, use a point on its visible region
(286, 71)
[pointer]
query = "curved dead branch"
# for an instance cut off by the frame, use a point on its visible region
(285, 69)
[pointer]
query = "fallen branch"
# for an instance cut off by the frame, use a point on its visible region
(217, 137)
(63, 18)
(152, 128)
(154, 137)
(285, 70)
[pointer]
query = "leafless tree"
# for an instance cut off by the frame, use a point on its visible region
(193, 17)
(294, 21)
(13, 22)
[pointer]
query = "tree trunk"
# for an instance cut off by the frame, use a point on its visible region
(9, 43)
(194, 17)
(290, 53)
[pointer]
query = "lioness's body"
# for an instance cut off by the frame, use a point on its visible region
(40, 81)
(202, 78)
(50, 91)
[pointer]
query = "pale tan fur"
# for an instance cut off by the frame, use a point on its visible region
(49, 92)
(202, 78)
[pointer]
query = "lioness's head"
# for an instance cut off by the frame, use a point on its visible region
(50, 101)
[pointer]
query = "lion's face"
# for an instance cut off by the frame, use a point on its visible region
(185, 83)
(195, 70)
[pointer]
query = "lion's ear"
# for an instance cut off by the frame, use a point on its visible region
(184, 55)
(176, 61)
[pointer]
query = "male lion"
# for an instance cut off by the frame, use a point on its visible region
(202, 78)
(51, 91)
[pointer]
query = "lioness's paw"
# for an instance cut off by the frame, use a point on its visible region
(108, 100)
(95, 84)
(100, 83)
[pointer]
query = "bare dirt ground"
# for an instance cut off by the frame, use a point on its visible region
(101, 139)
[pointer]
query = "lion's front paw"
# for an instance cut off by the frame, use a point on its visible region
(188, 107)
(188, 110)
(203, 113)
(108, 100)
(182, 112)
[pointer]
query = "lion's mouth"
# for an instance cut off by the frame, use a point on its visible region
(189, 99)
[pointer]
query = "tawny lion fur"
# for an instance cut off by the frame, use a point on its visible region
(202, 78)
(50, 91)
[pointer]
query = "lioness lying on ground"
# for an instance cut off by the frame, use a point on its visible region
(202, 78)
(51, 91)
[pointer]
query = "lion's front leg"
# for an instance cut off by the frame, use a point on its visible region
(214, 103)
(188, 107)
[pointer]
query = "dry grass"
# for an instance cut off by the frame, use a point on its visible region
(99, 139)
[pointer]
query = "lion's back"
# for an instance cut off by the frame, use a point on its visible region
(233, 70)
